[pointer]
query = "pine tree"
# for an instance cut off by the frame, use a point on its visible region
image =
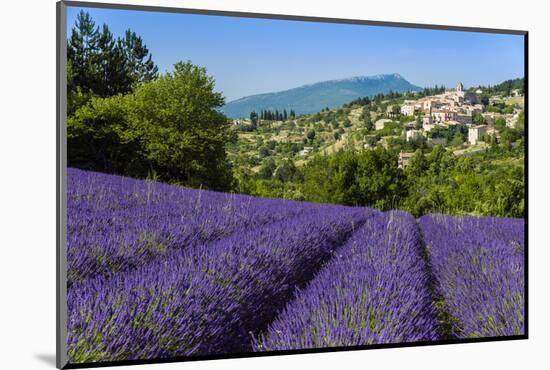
(139, 63)
(100, 65)
(82, 49)
(111, 66)
(254, 119)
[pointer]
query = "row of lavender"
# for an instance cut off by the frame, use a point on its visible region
(375, 290)
(478, 266)
(117, 223)
(162, 271)
(205, 299)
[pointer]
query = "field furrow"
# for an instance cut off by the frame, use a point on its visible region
(205, 300)
(118, 223)
(374, 290)
(478, 265)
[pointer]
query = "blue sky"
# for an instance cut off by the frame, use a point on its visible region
(249, 56)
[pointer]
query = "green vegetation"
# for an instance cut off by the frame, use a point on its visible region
(124, 118)
(99, 65)
(168, 128)
(352, 163)
(504, 88)
(487, 183)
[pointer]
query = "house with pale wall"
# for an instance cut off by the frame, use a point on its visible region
(512, 120)
(475, 133)
(411, 109)
(306, 150)
(427, 126)
(404, 159)
(495, 99)
(444, 115)
(464, 119)
(393, 111)
(379, 125)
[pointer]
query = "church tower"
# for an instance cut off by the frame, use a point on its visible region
(459, 93)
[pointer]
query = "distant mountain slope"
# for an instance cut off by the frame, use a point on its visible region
(314, 97)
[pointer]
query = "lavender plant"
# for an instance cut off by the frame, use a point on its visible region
(374, 290)
(159, 271)
(478, 266)
(118, 223)
(204, 300)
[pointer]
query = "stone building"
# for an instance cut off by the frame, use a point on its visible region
(404, 159)
(475, 133)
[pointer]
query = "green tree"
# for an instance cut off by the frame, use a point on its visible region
(254, 119)
(457, 140)
(264, 152)
(82, 49)
(520, 124)
(287, 172)
(170, 126)
(111, 66)
(311, 135)
(418, 123)
(370, 178)
(369, 125)
(267, 169)
(101, 136)
(417, 166)
(478, 118)
(185, 132)
(500, 123)
(139, 62)
(100, 65)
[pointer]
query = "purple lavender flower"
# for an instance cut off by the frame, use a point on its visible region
(117, 223)
(478, 266)
(205, 299)
(374, 290)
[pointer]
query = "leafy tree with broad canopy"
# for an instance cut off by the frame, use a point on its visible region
(169, 128)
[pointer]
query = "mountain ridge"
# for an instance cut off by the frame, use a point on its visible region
(311, 98)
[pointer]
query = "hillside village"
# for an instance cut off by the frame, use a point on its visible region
(463, 121)
(377, 141)
(456, 108)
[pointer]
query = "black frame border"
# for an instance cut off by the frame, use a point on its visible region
(61, 293)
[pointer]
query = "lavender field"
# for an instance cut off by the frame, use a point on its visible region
(157, 271)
